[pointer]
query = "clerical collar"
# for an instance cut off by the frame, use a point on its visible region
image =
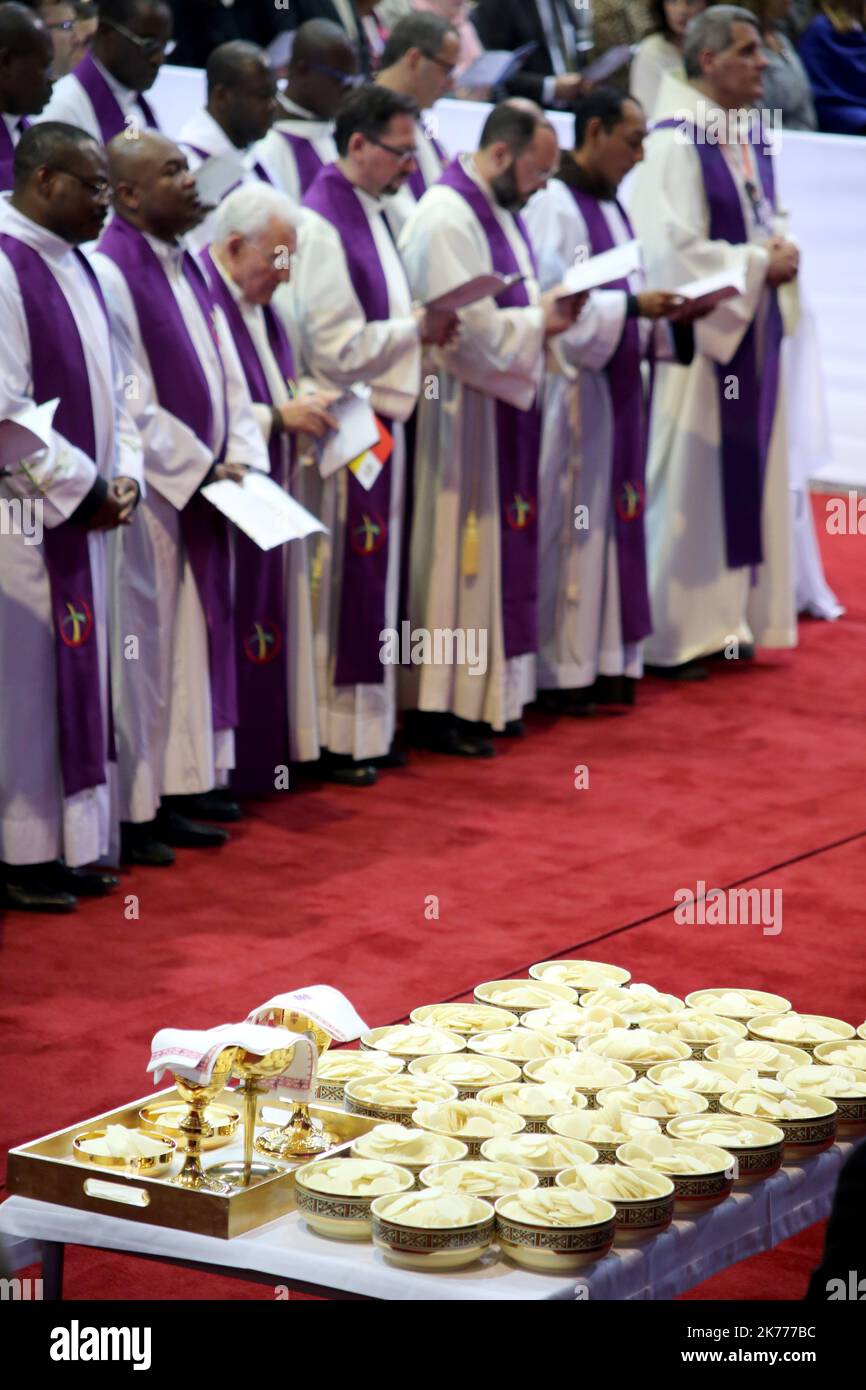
(573, 175)
(296, 112)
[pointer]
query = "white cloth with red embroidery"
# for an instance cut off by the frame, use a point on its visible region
(192, 1053)
(325, 1005)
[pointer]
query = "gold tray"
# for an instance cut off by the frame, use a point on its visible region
(46, 1170)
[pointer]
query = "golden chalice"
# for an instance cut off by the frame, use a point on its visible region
(195, 1126)
(252, 1069)
(301, 1135)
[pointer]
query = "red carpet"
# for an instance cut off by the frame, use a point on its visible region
(754, 778)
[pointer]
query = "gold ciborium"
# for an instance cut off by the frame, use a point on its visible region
(252, 1069)
(195, 1127)
(301, 1135)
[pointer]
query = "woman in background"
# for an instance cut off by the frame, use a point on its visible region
(660, 52)
(786, 82)
(833, 50)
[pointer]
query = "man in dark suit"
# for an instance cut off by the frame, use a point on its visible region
(561, 31)
(357, 17)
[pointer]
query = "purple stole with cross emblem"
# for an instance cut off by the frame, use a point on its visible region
(518, 444)
(261, 612)
(182, 389)
(106, 107)
(365, 553)
(747, 420)
(628, 463)
(65, 548)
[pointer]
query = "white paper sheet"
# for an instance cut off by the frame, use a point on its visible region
(471, 291)
(714, 289)
(216, 176)
(495, 66)
(591, 274)
(609, 62)
(26, 432)
(357, 433)
(262, 510)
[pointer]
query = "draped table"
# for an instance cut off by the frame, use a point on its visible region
(286, 1253)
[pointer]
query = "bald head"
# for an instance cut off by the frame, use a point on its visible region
(322, 67)
(152, 186)
(26, 56)
(241, 92)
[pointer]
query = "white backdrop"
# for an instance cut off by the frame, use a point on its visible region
(822, 181)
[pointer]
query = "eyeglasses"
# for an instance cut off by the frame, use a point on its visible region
(404, 156)
(448, 68)
(100, 188)
(65, 25)
(344, 80)
(149, 47)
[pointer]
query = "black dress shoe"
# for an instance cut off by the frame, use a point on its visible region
(24, 889)
(215, 805)
(140, 844)
(174, 829)
(443, 733)
(395, 757)
(689, 671)
(573, 704)
(342, 771)
(614, 690)
(84, 883)
(745, 652)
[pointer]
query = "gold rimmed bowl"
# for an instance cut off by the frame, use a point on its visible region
(340, 1207)
(336, 1069)
(465, 1019)
(840, 1054)
(775, 1027)
(693, 1191)
(554, 1230)
(470, 1121)
(700, 1030)
(469, 1072)
(647, 1212)
(604, 1130)
(408, 1040)
(519, 996)
(464, 1232)
(635, 1002)
(710, 1079)
(414, 1149)
(656, 1048)
(662, 1103)
(480, 1177)
(545, 1155)
(757, 1146)
(582, 975)
(589, 1079)
(805, 1135)
(394, 1098)
(767, 1059)
(153, 1165)
(573, 1022)
(732, 1001)
(846, 1086)
(533, 1102)
(520, 1045)
(166, 1118)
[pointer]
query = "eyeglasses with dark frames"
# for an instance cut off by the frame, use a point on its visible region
(149, 47)
(404, 156)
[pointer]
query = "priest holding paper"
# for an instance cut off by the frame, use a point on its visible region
(55, 742)
(474, 553)
(322, 71)
(176, 696)
(718, 517)
(255, 238)
(594, 609)
(352, 311)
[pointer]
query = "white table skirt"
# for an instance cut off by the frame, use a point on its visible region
(694, 1248)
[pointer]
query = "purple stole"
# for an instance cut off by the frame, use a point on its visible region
(628, 468)
(258, 168)
(7, 155)
(261, 614)
(518, 444)
(746, 422)
(416, 179)
(367, 542)
(182, 389)
(306, 159)
(109, 115)
(65, 548)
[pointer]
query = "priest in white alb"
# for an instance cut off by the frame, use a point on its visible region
(55, 728)
(474, 552)
(718, 517)
(351, 308)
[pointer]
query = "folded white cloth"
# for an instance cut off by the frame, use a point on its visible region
(192, 1053)
(326, 1006)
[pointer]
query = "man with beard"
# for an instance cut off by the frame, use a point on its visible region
(474, 550)
(175, 693)
(54, 715)
(352, 311)
(104, 93)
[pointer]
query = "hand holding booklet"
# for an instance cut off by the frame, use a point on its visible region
(471, 291)
(262, 510)
(596, 271)
(708, 291)
(357, 432)
(26, 432)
